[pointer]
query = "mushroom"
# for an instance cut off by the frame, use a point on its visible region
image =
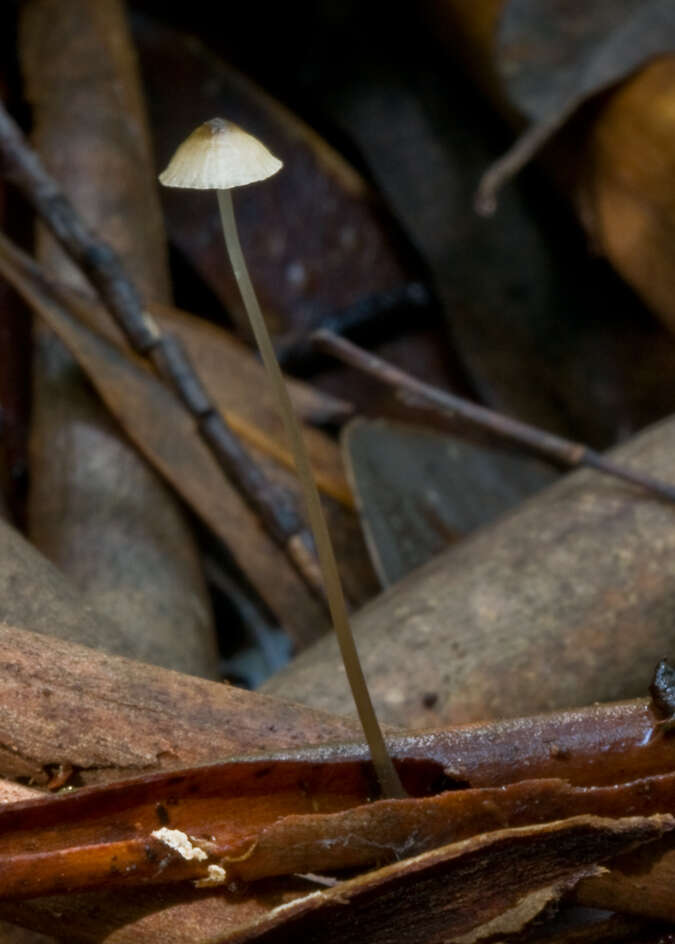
(219, 156)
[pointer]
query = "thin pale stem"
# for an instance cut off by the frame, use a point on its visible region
(386, 773)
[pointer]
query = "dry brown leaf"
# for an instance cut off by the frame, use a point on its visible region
(96, 509)
(616, 168)
(165, 433)
(69, 695)
(550, 72)
(278, 816)
(446, 893)
(565, 600)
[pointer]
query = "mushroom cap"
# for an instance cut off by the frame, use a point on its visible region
(218, 155)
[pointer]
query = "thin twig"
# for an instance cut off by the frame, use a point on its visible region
(277, 508)
(521, 152)
(549, 445)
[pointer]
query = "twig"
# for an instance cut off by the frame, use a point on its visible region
(553, 447)
(521, 152)
(379, 309)
(277, 508)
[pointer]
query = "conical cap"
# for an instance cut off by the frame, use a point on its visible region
(218, 155)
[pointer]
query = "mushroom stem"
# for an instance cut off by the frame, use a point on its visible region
(390, 783)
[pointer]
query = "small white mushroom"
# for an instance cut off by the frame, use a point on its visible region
(219, 156)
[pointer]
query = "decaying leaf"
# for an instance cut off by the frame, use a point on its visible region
(248, 820)
(164, 432)
(615, 165)
(567, 599)
(559, 51)
(419, 491)
(35, 595)
(302, 812)
(96, 509)
(572, 924)
(551, 330)
(446, 893)
(231, 372)
(641, 884)
(107, 717)
(553, 56)
(68, 695)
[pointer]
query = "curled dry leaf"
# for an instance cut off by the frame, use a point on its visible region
(575, 584)
(244, 821)
(308, 812)
(162, 718)
(446, 893)
(451, 891)
(554, 55)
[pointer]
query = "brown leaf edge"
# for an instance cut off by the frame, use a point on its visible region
(656, 15)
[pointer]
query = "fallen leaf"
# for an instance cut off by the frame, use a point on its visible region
(549, 73)
(165, 433)
(110, 717)
(35, 595)
(640, 884)
(552, 329)
(438, 896)
(96, 509)
(248, 820)
(66, 695)
(419, 491)
(566, 599)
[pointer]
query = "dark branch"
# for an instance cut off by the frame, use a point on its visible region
(277, 508)
(553, 447)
